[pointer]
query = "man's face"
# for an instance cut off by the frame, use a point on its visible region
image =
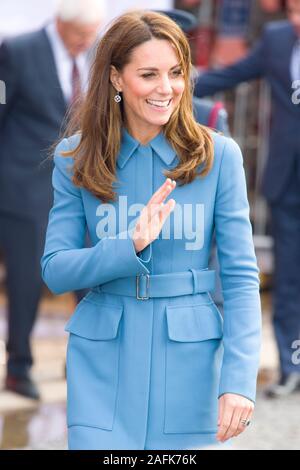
(77, 37)
(293, 12)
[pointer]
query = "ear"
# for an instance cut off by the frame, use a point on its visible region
(115, 78)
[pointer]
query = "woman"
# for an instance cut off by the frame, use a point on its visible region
(151, 363)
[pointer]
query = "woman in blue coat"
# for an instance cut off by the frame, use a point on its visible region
(151, 362)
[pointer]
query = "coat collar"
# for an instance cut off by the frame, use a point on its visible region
(159, 144)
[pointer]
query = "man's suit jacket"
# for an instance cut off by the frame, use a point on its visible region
(270, 58)
(30, 122)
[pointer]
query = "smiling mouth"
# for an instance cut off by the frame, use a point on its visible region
(160, 104)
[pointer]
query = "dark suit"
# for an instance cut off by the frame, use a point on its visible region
(30, 122)
(271, 59)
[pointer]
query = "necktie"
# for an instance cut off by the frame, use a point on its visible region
(76, 85)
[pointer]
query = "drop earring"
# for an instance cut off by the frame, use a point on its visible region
(117, 97)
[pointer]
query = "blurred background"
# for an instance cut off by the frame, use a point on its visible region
(221, 33)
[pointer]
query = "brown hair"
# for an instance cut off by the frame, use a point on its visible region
(99, 118)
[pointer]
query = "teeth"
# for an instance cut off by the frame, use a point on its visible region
(162, 104)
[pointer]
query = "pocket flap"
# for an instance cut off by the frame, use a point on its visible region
(189, 323)
(95, 320)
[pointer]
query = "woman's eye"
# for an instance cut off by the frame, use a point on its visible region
(175, 72)
(178, 72)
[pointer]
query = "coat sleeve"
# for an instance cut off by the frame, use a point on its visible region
(66, 264)
(249, 68)
(239, 276)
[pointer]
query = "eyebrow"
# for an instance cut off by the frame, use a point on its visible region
(154, 68)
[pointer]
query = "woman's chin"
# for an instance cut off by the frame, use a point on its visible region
(159, 122)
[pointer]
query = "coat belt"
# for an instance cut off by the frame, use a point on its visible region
(145, 286)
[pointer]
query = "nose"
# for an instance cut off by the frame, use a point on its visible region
(165, 85)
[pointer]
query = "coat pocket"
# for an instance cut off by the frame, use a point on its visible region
(193, 359)
(93, 363)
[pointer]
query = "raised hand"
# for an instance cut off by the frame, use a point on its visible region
(153, 216)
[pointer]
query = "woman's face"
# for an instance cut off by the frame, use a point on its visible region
(152, 85)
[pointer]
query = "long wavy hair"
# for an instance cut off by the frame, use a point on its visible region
(99, 119)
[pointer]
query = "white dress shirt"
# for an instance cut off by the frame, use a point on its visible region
(64, 62)
(295, 62)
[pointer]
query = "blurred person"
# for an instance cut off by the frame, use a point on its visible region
(276, 57)
(263, 12)
(45, 72)
(231, 32)
(151, 364)
(117, 7)
(271, 6)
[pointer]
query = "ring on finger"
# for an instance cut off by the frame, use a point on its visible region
(245, 422)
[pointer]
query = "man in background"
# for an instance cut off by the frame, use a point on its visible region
(44, 72)
(276, 57)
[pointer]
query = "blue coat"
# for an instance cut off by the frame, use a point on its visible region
(147, 374)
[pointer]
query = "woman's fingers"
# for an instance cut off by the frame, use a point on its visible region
(166, 209)
(235, 422)
(225, 421)
(147, 214)
(233, 409)
(158, 198)
(247, 415)
(153, 216)
(162, 192)
(159, 216)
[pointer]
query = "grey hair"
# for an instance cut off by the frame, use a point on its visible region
(81, 11)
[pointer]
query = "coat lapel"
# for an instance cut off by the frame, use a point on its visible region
(159, 144)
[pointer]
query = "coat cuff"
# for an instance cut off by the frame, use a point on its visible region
(146, 254)
(135, 262)
(245, 390)
(235, 393)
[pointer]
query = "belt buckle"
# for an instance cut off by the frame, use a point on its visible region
(138, 286)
